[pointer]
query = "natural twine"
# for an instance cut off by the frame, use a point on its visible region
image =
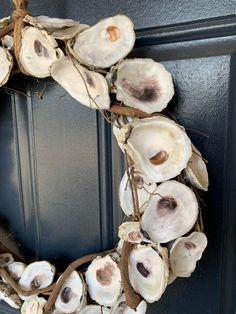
(18, 16)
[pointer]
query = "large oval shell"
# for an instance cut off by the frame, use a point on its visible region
(185, 253)
(148, 272)
(105, 43)
(144, 84)
(88, 87)
(171, 213)
(72, 295)
(104, 281)
(38, 51)
(158, 146)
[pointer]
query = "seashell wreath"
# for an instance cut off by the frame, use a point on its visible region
(162, 238)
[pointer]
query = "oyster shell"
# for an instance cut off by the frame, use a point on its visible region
(49, 23)
(170, 214)
(38, 51)
(82, 84)
(144, 190)
(5, 21)
(144, 84)
(72, 296)
(105, 43)
(8, 42)
(122, 308)
(9, 296)
(130, 231)
(148, 272)
(33, 305)
(104, 281)
(185, 253)
(37, 275)
(70, 32)
(16, 269)
(158, 146)
(6, 62)
(6, 259)
(94, 309)
(196, 171)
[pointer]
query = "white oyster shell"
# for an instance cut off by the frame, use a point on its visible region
(148, 272)
(196, 171)
(6, 64)
(37, 275)
(170, 214)
(72, 294)
(94, 309)
(104, 281)
(144, 84)
(70, 32)
(105, 43)
(185, 253)
(38, 51)
(16, 269)
(144, 190)
(49, 23)
(9, 296)
(6, 259)
(122, 308)
(82, 84)
(158, 146)
(130, 231)
(33, 305)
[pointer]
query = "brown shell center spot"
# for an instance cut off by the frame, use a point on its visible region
(113, 33)
(166, 204)
(159, 158)
(66, 294)
(143, 270)
(104, 275)
(190, 245)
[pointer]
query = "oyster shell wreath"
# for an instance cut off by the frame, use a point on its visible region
(162, 237)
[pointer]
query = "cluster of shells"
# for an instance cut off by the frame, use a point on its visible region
(166, 168)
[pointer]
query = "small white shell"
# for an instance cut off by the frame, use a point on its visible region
(196, 171)
(33, 305)
(16, 269)
(37, 275)
(148, 272)
(82, 84)
(104, 281)
(185, 253)
(144, 84)
(170, 214)
(72, 294)
(130, 231)
(144, 190)
(38, 51)
(122, 308)
(6, 63)
(105, 43)
(158, 146)
(5, 21)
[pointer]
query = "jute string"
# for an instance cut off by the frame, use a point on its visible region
(18, 16)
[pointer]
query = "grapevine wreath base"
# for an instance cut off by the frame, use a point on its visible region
(162, 237)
